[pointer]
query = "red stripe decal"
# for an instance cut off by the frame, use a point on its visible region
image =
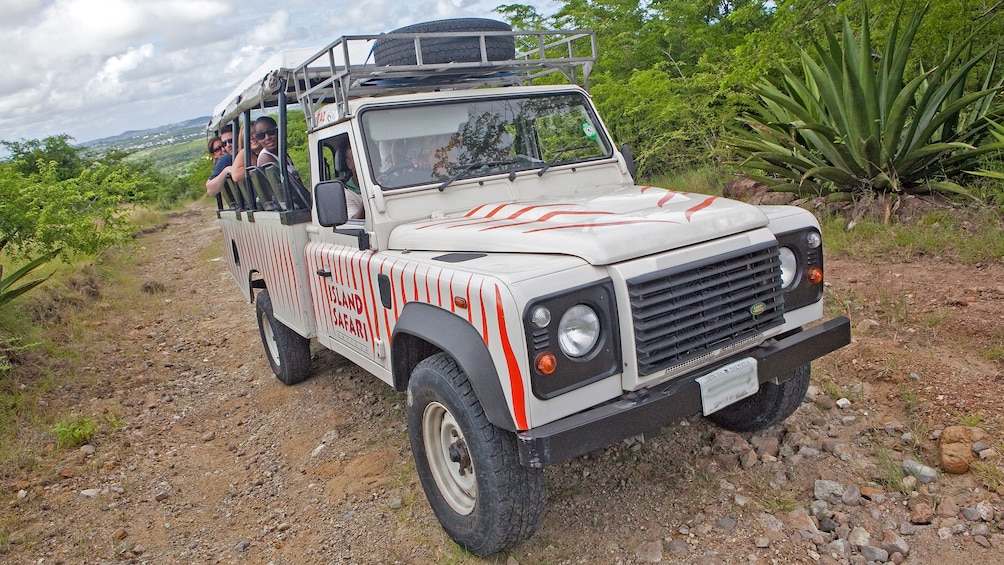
(428, 297)
(496, 210)
(368, 276)
(439, 286)
(404, 292)
(528, 208)
(414, 281)
(453, 307)
(699, 207)
(475, 211)
(360, 283)
(484, 312)
(668, 196)
(467, 295)
(515, 377)
(386, 318)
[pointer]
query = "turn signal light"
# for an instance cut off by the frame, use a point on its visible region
(546, 363)
(815, 275)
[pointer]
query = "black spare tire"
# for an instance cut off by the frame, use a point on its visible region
(389, 52)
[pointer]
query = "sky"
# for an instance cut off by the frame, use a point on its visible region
(97, 68)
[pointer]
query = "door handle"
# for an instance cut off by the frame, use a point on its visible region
(324, 272)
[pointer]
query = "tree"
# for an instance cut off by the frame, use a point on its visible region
(31, 156)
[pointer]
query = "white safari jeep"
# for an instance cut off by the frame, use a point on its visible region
(505, 270)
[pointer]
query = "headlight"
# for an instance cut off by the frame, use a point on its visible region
(789, 266)
(572, 338)
(578, 330)
(800, 254)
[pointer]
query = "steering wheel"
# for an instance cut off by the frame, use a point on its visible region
(406, 171)
(398, 169)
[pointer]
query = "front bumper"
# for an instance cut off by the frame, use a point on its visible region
(646, 410)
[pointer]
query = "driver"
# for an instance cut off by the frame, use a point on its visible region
(432, 153)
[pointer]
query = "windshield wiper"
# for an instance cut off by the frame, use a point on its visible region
(559, 154)
(471, 166)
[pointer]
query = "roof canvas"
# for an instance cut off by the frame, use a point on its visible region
(260, 84)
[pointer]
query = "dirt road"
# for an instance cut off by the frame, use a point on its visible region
(204, 457)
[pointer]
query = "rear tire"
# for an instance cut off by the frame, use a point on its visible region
(389, 52)
(288, 352)
(770, 406)
(485, 500)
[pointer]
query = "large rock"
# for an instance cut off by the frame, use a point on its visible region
(957, 447)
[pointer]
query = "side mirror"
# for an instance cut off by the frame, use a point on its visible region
(629, 159)
(329, 199)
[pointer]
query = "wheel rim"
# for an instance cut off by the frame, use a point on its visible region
(449, 458)
(270, 343)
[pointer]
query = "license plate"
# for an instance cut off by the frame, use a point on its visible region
(728, 384)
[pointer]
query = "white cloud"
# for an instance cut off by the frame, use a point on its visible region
(92, 68)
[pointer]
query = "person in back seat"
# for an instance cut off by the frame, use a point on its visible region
(224, 164)
(266, 132)
(238, 172)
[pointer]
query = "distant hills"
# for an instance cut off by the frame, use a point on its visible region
(169, 134)
(173, 149)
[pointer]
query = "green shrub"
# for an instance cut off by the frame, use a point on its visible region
(74, 430)
(852, 123)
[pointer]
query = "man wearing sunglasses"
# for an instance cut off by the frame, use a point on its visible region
(225, 152)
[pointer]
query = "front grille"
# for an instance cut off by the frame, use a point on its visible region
(686, 312)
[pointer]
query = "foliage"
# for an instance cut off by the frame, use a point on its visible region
(9, 345)
(851, 125)
(660, 81)
(8, 290)
(673, 75)
(74, 430)
(40, 212)
(32, 156)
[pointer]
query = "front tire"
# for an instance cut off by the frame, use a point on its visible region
(485, 500)
(288, 352)
(770, 406)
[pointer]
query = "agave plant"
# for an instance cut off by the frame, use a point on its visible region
(852, 124)
(12, 286)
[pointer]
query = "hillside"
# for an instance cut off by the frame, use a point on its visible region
(169, 134)
(172, 149)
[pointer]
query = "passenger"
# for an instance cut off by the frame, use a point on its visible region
(353, 196)
(238, 172)
(215, 148)
(266, 131)
(224, 164)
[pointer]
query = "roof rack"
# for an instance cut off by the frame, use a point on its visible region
(343, 71)
(333, 74)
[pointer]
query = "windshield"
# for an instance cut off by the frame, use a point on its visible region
(440, 143)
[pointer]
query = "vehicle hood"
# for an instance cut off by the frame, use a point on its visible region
(626, 223)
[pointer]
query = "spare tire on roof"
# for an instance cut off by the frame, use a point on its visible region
(389, 52)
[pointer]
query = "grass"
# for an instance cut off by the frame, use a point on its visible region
(991, 471)
(768, 495)
(970, 237)
(59, 321)
(971, 419)
(705, 180)
(890, 470)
